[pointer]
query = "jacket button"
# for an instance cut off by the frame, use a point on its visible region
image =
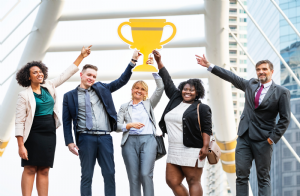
(184, 126)
(183, 119)
(184, 133)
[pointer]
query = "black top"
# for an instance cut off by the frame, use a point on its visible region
(191, 131)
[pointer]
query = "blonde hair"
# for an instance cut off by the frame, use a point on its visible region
(144, 85)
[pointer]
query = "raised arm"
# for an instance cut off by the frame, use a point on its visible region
(237, 81)
(156, 96)
(284, 117)
(71, 70)
(170, 88)
(124, 78)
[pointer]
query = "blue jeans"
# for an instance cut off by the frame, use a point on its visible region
(100, 147)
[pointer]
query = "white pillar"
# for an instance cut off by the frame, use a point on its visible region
(35, 50)
(217, 51)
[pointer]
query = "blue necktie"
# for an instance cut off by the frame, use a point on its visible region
(88, 111)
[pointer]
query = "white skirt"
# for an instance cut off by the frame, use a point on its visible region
(178, 154)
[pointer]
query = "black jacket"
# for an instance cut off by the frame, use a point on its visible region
(191, 131)
(261, 121)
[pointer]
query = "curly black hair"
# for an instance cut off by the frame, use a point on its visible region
(198, 84)
(24, 73)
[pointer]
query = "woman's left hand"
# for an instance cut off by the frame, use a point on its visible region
(86, 51)
(203, 153)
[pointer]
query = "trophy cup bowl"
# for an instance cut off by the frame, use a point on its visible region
(146, 35)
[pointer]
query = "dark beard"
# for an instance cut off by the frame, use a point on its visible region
(264, 80)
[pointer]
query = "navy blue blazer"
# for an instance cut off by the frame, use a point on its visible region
(103, 90)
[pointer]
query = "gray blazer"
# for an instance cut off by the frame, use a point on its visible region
(125, 111)
(261, 121)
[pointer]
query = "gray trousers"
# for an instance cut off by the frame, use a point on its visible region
(261, 152)
(139, 153)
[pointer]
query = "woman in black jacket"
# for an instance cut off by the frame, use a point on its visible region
(188, 147)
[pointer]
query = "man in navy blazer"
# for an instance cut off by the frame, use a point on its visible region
(91, 108)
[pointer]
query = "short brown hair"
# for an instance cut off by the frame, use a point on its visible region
(263, 62)
(89, 66)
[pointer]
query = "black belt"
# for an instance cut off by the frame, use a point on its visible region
(95, 132)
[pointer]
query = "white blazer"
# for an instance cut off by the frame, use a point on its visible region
(26, 103)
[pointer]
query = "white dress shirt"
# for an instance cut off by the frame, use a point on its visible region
(264, 91)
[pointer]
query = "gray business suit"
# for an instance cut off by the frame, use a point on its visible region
(256, 126)
(139, 151)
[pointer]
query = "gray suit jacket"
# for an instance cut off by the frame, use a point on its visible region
(125, 111)
(261, 122)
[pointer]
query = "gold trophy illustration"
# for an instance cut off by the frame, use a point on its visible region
(146, 35)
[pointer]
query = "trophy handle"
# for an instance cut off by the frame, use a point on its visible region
(120, 34)
(173, 34)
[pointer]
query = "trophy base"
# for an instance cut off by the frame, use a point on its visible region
(145, 68)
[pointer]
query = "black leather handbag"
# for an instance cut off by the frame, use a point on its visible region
(161, 150)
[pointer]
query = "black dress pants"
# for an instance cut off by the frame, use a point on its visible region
(247, 150)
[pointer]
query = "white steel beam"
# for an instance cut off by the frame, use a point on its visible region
(35, 49)
(272, 46)
(216, 19)
(286, 18)
(183, 43)
(133, 13)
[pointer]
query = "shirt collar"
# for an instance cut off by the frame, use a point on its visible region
(131, 103)
(82, 89)
(267, 85)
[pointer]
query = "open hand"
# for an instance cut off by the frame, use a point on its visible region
(136, 55)
(23, 152)
(150, 60)
(86, 51)
(202, 61)
(135, 125)
(203, 153)
(73, 148)
(157, 56)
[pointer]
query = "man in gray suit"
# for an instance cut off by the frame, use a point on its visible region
(258, 129)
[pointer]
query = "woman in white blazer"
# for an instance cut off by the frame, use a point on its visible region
(37, 120)
(139, 145)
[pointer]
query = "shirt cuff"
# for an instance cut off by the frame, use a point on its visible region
(210, 67)
(132, 65)
(271, 140)
(124, 128)
(156, 76)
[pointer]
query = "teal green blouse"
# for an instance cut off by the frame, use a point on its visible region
(44, 103)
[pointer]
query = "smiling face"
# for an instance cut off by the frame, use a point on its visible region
(139, 91)
(264, 73)
(188, 93)
(36, 75)
(88, 77)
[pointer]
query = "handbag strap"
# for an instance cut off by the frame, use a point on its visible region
(199, 118)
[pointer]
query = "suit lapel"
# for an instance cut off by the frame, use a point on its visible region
(31, 100)
(129, 107)
(75, 98)
(269, 93)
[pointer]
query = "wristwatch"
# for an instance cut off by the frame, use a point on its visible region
(134, 60)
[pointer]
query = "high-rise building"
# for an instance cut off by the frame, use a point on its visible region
(285, 169)
(216, 178)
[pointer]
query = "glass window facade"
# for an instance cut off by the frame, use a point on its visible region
(290, 45)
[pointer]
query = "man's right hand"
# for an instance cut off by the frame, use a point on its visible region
(73, 148)
(202, 61)
(135, 125)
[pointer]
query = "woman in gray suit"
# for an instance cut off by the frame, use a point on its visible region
(138, 142)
